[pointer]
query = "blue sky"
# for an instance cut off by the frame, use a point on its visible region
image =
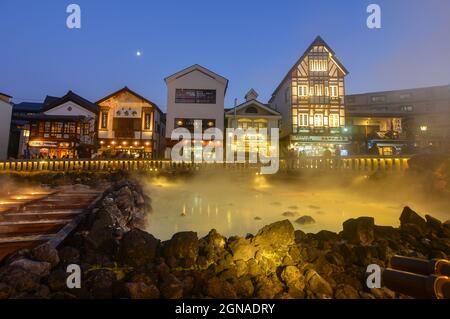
(252, 43)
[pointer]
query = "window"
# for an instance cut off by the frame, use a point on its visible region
(334, 91)
(405, 96)
(378, 99)
(318, 120)
(334, 120)
(57, 127)
(319, 89)
(147, 121)
(251, 109)
(318, 65)
(104, 120)
(303, 119)
(302, 90)
(195, 96)
(406, 108)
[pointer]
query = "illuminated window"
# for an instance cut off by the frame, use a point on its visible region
(303, 119)
(147, 121)
(334, 91)
(334, 120)
(302, 90)
(407, 108)
(318, 120)
(318, 65)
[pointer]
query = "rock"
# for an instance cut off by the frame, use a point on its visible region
(277, 234)
(244, 288)
(433, 223)
(299, 236)
(242, 249)
(99, 282)
(257, 218)
(5, 291)
(138, 248)
(253, 268)
(57, 281)
(183, 247)
(268, 287)
(172, 288)
(325, 235)
(140, 290)
(359, 230)
(39, 268)
(335, 258)
(241, 268)
(217, 288)
(289, 214)
(291, 274)
(69, 255)
(317, 285)
(346, 292)
(19, 279)
(47, 253)
(408, 217)
(305, 220)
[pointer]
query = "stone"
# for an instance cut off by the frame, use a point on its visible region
(242, 249)
(244, 288)
(5, 291)
(289, 214)
(325, 235)
(346, 292)
(305, 220)
(335, 258)
(69, 255)
(138, 248)
(46, 253)
(433, 223)
(39, 268)
(277, 234)
(409, 216)
(19, 279)
(99, 282)
(172, 288)
(57, 281)
(183, 247)
(359, 230)
(291, 274)
(299, 235)
(317, 285)
(268, 287)
(140, 290)
(221, 289)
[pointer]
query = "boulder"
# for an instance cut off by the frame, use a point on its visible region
(39, 268)
(325, 235)
(410, 217)
(19, 279)
(243, 287)
(359, 230)
(183, 247)
(277, 234)
(172, 288)
(46, 253)
(100, 282)
(69, 255)
(138, 248)
(140, 290)
(316, 285)
(268, 287)
(221, 289)
(344, 291)
(5, 291)
(242, 249)
(291, 274)
(305, 220)
(433, 223)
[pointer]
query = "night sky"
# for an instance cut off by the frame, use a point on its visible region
(251, 43)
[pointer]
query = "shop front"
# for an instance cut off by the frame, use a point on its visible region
(320, 145)
(51, 149)
(126, 148)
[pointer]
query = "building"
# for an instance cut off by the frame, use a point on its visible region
(194, 93)
(130, 125)
(5, 120)
(402, 121)
(311, 101)
(252, 114)
(64, 127)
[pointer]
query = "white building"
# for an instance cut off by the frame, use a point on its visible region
(194, 93)
(5, 122)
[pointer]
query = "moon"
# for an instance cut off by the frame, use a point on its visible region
(138, 53)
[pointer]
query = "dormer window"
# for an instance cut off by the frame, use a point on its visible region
(251, 109)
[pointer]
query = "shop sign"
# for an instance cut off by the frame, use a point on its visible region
(43, 144)
(337, 139)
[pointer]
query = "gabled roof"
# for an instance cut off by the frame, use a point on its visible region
(28, 107)
(197, 67)
(318, 41)
(251, 102)
(70, 96)
(126, 89)
(5, 95)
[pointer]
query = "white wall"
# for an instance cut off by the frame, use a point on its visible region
(195, 80)
(5, 123)
(280, 104)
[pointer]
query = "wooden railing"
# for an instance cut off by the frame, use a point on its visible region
(355, 163)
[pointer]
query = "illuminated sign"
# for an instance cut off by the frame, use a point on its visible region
(337, 139)
(43, 144)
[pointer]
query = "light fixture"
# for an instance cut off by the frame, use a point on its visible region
(124, 143)
(135, 143)
(113, 142)
(147, 143)
(101, 142)
(423, 128)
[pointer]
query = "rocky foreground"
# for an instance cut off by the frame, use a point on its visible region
(120, 260)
